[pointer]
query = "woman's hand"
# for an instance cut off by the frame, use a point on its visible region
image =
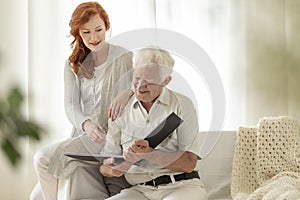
(94, 131)
(118, 104)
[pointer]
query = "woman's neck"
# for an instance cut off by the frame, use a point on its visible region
(100, 55)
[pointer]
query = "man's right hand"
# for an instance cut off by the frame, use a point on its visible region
(94, 131)
(109, 168)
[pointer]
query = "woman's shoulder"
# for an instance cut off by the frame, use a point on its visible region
(69, 67)
(68, 63)
(118, 50)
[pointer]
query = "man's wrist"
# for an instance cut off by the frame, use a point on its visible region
(149, 155)
(126, 164)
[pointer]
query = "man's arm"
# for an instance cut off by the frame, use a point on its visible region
(185, 163)
(175, 161)
(109, 167)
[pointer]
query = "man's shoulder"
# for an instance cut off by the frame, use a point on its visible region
(131, 102)
(178, 96)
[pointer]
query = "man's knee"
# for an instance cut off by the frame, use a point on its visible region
(87, 183)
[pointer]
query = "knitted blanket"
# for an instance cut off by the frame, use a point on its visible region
(266, 163)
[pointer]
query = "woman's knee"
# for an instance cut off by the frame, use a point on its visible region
(36, 193)
(38, 161)
(41, 159)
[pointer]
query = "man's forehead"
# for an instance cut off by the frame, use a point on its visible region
(146, 65)
(148, 69)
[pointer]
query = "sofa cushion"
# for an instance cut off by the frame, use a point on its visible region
(216, 165)
(244, 169)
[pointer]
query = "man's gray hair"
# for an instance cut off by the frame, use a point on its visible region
(151, 56)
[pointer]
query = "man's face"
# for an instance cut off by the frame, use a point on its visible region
(148, 83)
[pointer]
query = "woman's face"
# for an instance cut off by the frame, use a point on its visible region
(93, 32)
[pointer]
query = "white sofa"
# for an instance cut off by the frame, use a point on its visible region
(216, 165)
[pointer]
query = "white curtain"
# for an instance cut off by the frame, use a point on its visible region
(264, 62)
(254, 45)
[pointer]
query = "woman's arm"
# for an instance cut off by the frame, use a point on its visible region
(72, 98)
(126, 91)
(73, 108)
(118, 104)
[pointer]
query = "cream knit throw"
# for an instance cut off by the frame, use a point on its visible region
(266, 163)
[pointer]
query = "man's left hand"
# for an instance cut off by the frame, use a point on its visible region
(137, 151)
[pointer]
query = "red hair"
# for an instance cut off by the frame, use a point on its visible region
(80, 16)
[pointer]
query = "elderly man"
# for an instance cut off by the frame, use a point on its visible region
(169, 171)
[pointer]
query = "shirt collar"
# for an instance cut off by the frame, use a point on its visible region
(163, 98)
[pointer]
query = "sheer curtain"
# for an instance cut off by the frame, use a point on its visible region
(253, 44)
(264, 60)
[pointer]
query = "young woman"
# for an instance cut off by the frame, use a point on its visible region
(91, 74)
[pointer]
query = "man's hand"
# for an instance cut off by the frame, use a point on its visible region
(141, 146)
(140, 149)
(94, 131)
(110, 169)
(118, 104)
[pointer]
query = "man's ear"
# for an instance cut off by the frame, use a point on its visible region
(167, 80)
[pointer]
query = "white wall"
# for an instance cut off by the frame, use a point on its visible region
(13, 43)
(13, 70)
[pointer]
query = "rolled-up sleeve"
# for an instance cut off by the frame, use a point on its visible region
(113, 140)
(188, 131)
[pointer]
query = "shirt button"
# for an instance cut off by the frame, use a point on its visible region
(147, 121)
